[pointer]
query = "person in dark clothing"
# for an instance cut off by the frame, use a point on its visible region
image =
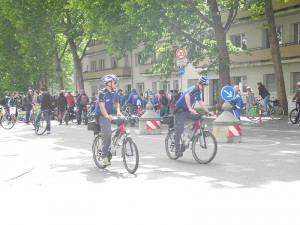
(265, 95)
(82, 102)
(27, 103)
(61, 106)
(45, 99)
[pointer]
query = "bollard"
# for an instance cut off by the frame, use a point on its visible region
(226, 126)
(149, 122)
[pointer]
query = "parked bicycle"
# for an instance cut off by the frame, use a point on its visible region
(6, 120)
(275, 111)
(202, 143)
(294, 113)
(121, 139)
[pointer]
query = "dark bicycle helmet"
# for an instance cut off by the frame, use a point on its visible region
(109, 77)
(203, 80)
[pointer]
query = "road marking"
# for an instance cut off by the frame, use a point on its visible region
(290, 152)
(185, 174)
(230, 184)
(165, 169)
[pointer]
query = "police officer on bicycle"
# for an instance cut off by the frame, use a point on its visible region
(107, 99)
(184, 109)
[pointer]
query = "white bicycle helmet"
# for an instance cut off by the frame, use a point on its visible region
(109, 77)
(298, 83)
(203, 80)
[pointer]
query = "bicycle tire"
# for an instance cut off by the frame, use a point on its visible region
(41, 126)
(293, 115)
(130, 155)
(170, 146)
(7, 122)
(97, 151)
(277, 113)
(204, 147)
(66, 117)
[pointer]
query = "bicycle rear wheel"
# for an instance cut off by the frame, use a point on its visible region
(97, 151)
(276, 113)
(170, 145)
(41, 126)
(204, 147)
(7, 122)
(130, 155)
(293, 115)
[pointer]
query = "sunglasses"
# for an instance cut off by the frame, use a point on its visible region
(115, 82)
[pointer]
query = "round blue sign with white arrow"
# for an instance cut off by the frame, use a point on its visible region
(227, 93)
(181, 71)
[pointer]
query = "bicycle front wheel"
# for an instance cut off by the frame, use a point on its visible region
(97, 151)
(130, 155)
(204, 147)
(293, 115)
(41, 126)
(276, 113)
(7, 122)
(170, 145)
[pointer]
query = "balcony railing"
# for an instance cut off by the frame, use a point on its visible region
(119, 72)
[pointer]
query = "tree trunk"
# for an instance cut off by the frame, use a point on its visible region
(224, 62)
(59, 72)
(77, 64)
(275, 52)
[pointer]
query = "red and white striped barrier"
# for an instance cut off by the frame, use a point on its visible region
(153, 125)
(234, 131)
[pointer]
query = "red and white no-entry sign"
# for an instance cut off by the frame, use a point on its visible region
(180, 53)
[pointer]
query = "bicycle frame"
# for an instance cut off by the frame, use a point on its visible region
(118, 134)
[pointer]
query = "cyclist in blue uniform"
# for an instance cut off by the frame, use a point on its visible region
(133, 99)
(107, 103)
(184, 109)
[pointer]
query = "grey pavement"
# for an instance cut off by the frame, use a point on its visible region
(15, 156)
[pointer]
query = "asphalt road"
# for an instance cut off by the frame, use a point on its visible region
(52, 179)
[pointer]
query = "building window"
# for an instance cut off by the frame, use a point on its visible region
(296, 78)
(154, 87)
(126, 61)
(241, 81)
(101, 64)
(93, 66)
(265, 36)
(175, 84)
(138, 58)
(114, 63)
(296, 32)
(165, 86)
(270, 82)
(140, 88)
(239, 40)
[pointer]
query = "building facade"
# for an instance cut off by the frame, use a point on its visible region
(246, 69)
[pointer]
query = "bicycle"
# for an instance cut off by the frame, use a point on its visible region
(274, 110)
(6, 120)
(202, 143)
(294, 113)
(33, 113)
(41, 126)
(121, 138)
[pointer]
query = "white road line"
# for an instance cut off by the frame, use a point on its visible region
(230, 184)
(186, 174)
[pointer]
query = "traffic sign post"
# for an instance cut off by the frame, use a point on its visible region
(227, 93)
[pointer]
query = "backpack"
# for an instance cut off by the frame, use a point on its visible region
(164, 100)
(84, 100)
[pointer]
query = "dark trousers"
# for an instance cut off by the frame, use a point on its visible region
(27, 109)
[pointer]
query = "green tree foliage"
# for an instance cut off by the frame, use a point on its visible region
(192, 24)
